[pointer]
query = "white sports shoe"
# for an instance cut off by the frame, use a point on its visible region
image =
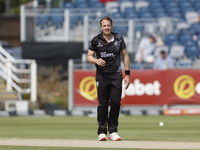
(102, 137)
(114, 136)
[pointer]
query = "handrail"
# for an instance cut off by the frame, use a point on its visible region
(11, 72)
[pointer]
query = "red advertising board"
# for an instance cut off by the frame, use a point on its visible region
(148, 87)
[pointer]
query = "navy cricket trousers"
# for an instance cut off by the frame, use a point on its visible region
(109, 87)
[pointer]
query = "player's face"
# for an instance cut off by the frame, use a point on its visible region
(106, 27)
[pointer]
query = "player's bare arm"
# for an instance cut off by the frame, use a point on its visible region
(91, 59)
(127, 67)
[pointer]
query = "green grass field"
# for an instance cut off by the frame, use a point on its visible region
(131, 128)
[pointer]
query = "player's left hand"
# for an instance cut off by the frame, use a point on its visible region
(127, 81)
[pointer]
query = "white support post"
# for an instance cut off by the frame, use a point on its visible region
(22, 23)
(70, 85)
(9, 79)
(130, 35)
(33, 81)
(67, 24)
(48, 4)
(86, 32)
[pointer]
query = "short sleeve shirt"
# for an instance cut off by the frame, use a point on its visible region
(147, 47)
(109, 52)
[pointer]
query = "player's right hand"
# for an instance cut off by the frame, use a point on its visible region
(100, 62)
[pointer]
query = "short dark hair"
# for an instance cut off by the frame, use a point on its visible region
(106, 18)
(162, 51)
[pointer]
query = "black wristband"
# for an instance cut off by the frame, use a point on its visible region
(127, 72)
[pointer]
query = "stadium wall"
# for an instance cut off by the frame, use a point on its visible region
(10, 30)
(52, 53)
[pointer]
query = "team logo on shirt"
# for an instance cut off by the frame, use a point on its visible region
(99, 45)
(115, 44)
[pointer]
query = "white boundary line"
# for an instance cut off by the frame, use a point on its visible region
(97, 144)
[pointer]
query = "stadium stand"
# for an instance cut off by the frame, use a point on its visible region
(178, 37)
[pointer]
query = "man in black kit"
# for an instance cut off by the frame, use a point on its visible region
(108, 47)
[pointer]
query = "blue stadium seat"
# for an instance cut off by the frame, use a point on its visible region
(81, 1)
(168, 1)
(82, 5)
(170, 38)
(129, 10)
(96, 5)
(156, 5)
(120, 29)
(130, 15)
(171, 5)
(185, 37)
(68, 5)
(144, 10)
(192, 52)
(195, 27)
(188, 9)
(146, 15)
(160, 15)
(117, 15)
(186, 4)
(57, 21)
(184, 31)
(158, 11)
(138, 28)
(42, 20)
(197, 6)
(73, 21)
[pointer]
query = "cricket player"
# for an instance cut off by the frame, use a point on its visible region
(109, 47)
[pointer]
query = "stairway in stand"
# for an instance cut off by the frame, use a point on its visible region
(6, 95)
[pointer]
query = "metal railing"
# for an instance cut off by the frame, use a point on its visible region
(20, 74)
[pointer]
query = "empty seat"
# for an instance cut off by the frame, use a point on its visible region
(195, 27)
(192, 52)
(81, 5)
(120, 29)
(117, 15)
(57, 21)
(146, 15)
(68, 5)
(130, 15)
(96, 5)
(185, 38)
(81, 1)
(170, 38)
(177, 51)
(42, 20)
(190, 43)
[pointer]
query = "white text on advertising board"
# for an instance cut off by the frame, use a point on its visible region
(138, 89)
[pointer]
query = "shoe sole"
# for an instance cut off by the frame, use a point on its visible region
(115, 140)
(103, 139)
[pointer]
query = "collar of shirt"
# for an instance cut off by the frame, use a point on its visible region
(114, 34)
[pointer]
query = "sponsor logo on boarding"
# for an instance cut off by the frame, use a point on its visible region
(185, 88)
(139, 89)
(87, 88)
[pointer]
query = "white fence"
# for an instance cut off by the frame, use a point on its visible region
(20, 74)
